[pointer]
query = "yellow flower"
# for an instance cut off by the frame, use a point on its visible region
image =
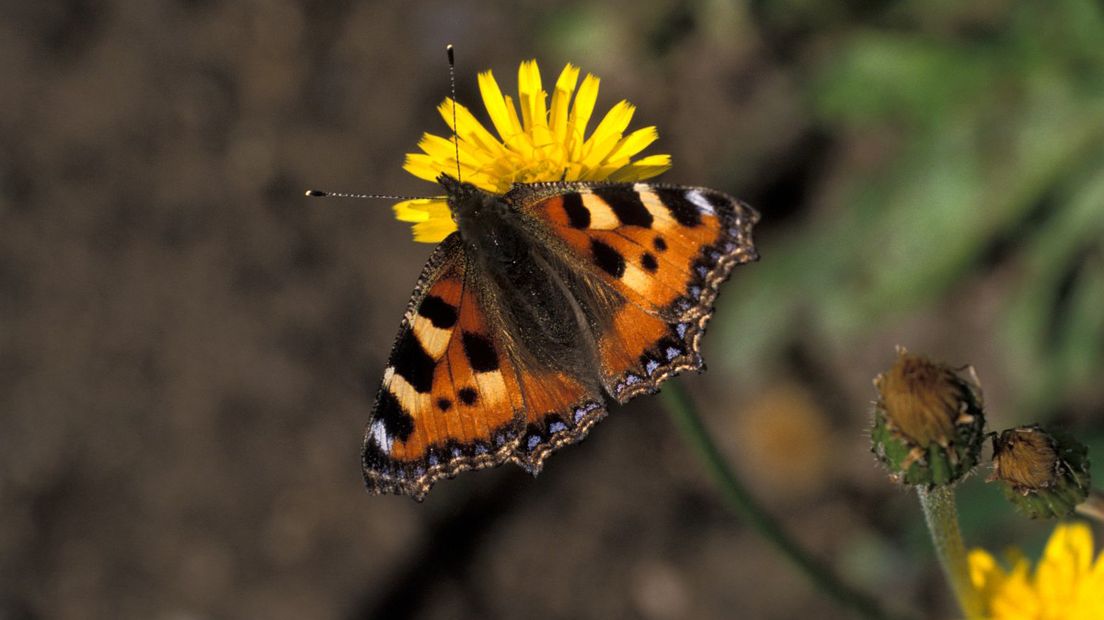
(1067, 584)
(545, 143)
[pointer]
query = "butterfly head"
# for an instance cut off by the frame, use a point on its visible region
(468, 203)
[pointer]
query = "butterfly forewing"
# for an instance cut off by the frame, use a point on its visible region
(664, 249)
(459, 394)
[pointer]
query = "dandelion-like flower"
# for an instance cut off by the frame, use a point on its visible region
(1068, 584)
(545, 143)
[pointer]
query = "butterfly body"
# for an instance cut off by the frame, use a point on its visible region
(513, 277)
(542, 300)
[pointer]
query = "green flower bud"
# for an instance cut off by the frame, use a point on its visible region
(1046, 475)
(928, 422)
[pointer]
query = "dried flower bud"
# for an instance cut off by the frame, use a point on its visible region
(1044, 474)
(928, 422)
(1026, 458)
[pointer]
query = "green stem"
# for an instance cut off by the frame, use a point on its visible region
(681, 408)
(942, 518)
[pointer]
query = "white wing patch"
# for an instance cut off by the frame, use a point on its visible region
(700, 201)
(380, 436)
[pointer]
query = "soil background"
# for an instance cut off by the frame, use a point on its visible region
(190, 348)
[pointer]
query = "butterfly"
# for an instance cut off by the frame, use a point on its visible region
(545, 300)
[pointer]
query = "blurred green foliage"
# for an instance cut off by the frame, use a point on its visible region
(986, 124)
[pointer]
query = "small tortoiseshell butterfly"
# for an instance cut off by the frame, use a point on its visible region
(543, 299)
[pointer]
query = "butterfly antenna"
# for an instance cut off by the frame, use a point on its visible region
(317, 193)
(452, 89)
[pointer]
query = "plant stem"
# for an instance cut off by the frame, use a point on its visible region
(942, 518)
(1093, 506)
(680, 406)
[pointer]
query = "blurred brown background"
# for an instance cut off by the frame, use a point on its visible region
(189, 348)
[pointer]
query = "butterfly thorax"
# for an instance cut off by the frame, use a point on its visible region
(483, 219)
(516, 278)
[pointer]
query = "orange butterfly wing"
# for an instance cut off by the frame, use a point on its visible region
(449, 400)
(453, 396)
(663, 249)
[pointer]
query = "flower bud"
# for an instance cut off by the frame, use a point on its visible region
(1044, 474)
(928, 422)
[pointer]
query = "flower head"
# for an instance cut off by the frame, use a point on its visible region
(1045, 474)
(1068, 584)
(928, 422)
(545, 142)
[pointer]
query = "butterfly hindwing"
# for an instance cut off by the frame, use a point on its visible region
(450, 399)
(560, 409)
(641, 350)
(663, 249)
(459, 393)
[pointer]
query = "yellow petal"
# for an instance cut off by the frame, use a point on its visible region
(489, 182)
(1098, 571)
(982, 567)
(498, 107)
(531, 98)
(634, 172)
(418, 209)
(645, 168)
(1091, 599)
(542, 137)
(443, 152)
(581, 111)
(1014, 599)
(1066, 559)
(597, 152)
(615, 122)
(1079, 546)
(422, 166)
(433, 231)
(660, 159)
(533, 102)
(529, 79)
(470, 129)
(561, 99)
(518, 140)
(438, 148)
(634, 143)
